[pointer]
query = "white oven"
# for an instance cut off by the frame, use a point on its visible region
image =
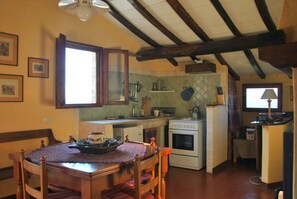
(183, 142)
(187, 140)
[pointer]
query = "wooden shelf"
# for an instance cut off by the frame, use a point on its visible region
(166, 91)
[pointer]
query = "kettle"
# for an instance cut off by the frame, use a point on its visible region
(195, 112)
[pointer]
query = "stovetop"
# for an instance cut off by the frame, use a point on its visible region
(185, 124)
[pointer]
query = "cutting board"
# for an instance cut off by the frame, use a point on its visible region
(146, 103)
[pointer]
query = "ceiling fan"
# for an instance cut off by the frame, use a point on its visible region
(84, 9)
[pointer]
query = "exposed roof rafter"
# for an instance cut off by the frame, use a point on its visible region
(222, 12)
(212, 47)
(135, 30)
(183, 14)
(141, 9)
(263, 10)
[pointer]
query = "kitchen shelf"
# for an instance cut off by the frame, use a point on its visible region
(166, 91)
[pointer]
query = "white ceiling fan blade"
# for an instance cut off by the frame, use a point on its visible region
(100, 4)
(99, 7)
(67, 4)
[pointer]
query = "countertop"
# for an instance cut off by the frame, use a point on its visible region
(276, 122)
(129, 120)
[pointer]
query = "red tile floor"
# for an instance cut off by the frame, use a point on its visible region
(230, 182)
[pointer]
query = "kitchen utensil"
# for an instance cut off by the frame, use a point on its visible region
(146, 104)
(156, 113)
(187, 93)
(195, 112)
(155, 86)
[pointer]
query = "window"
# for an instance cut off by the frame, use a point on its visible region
(251, 97)
(116, 76)
(78, 74)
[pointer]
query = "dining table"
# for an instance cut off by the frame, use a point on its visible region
(89, 173)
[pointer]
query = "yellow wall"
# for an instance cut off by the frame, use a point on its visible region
(287, 104)
(38, 23)
(288, 21)
(289, 24)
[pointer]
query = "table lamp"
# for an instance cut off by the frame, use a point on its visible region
(269, 94)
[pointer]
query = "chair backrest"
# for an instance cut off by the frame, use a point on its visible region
(28, 169)
(152, 164)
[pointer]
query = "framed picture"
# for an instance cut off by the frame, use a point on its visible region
(8, 49)
(38, 67)
(11, 88)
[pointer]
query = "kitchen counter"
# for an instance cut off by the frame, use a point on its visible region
(137, 120)
(85, 127)
(269, 148)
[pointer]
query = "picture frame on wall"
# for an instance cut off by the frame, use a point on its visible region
(38, 67)
(8, 49)
(11, 88)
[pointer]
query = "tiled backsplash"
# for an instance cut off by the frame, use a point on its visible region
(204, 93)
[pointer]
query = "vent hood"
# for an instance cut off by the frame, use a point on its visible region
(200, 68)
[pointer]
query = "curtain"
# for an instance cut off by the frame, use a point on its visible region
(234, 110)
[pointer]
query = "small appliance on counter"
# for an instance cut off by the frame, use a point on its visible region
(164, 111)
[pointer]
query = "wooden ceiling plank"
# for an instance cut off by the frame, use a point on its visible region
(212, 47)
(135, 30)
(222, 61)
(184, 15)
(222, 12)
(266, 17)
(144, 12)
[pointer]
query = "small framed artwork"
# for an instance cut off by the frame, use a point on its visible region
(8, 49)
(11, 88)
(38, 67)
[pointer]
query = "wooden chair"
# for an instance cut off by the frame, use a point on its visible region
(28, 169)
(143, 186)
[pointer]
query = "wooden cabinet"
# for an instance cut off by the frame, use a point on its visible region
(116, 76)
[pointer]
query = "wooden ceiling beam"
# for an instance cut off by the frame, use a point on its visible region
(266, 17)
(184, 15)
(222, 12)
(135, 30)
(280, 56)
(230, 69)
(146, 14)
(143, 11)
(212, 47)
